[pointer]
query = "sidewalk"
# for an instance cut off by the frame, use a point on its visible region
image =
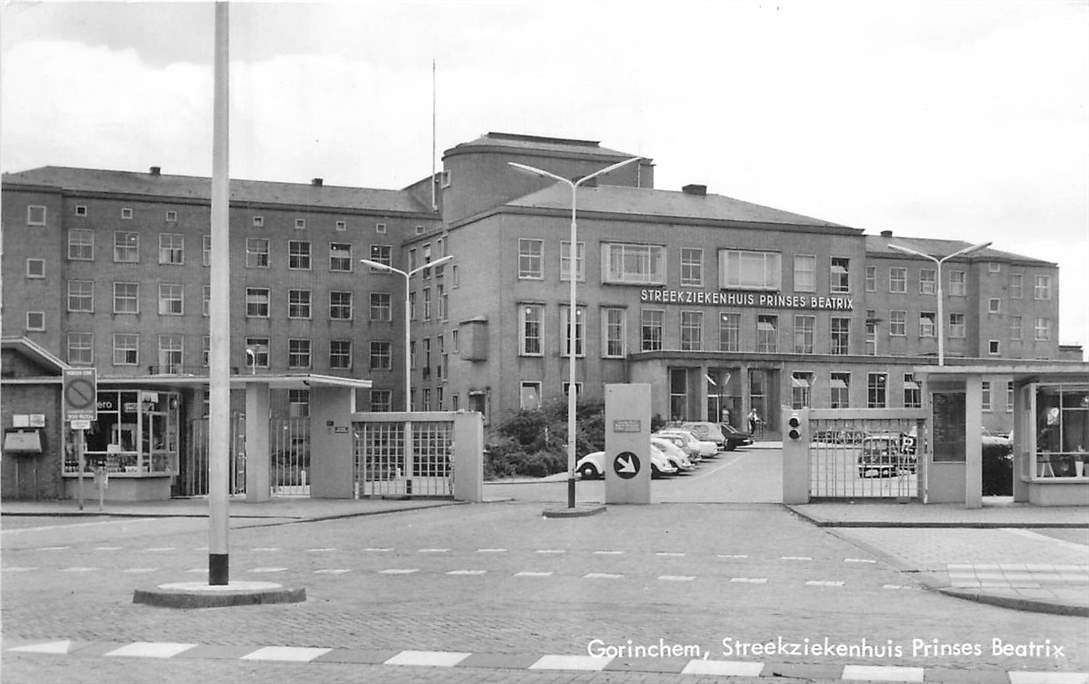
(1007, 554)
(282, 508)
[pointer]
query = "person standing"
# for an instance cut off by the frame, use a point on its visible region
(754, 420)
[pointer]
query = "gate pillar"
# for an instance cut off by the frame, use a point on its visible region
(795, 456)
(331, 456)
(258, 487)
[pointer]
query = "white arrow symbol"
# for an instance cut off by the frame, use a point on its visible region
(625, 465)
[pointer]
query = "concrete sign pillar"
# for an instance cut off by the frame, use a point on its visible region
(795, 456)
(627, 444)
(332, 461)
(468, 457)
(258, 482)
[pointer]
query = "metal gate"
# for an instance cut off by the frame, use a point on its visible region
(192, 476)
(403, 458)
(865, 453)
(289, 447)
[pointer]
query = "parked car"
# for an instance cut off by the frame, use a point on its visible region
(673, 453)
(691, 443)
(735, 437)
(681, 442)
(887, 455)
(592, 465)
(704, 430)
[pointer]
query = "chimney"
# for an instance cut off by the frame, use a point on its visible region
(317, 182)
(155, 170)
(886, 233)
(695, 189)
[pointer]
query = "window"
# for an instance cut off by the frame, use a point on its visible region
(565, 261)
(993, 347)
(994, 305)
(898, 323)
(257, 352)
(580, 330)
(985, 395)
(897, 279)
(35, 268)
(381, 254)
(298, 254)
(1017, 286)
(800, 387)
(206, 250)
(871, 279)
(81, 210)
(750, 270)
(876, 390)
(729, 332)
(171, 353)
(767, 333)
(913, 395)
(454, 341)
(298, 403)
(81, 244)
(529, 329)
(1042, 288)
(340, 256)
(35, 320)
(958, 283)
(425, 254)
(443, 300)
(1043, 329)
(840, 282)
(691, 330)
(126, 349)
(678, 393)
(340, 305)
(381, 400)
(126, 247)
(419, 230)
(840, 390)
(380, 228)
(171, 299)
(381, 357)
(298, 353)
(455, 275)
(300, 224)
(613, 324)
(805, 273)
(126, 298)
(381, 309)
(411, 260)
(530, 258)
(341, 226)
(650, 329)
(871, 332)
(412, 306)
(126, 213)
(1015, 327)
(529, 395)
(994, 267)
(1009, 397)
(928, 281)
(172, 216)
(81, 348)
(171, 248)
(81, 295)
(803, 334)
(205, 300)
(841, 336)
(691, 267)
(258, 221)
(298, 304)
(205, 350)
(956, 325)
(636, 264)
(257, 302)
(927, 323)
(340, 354)
(427, 303)
(256, 252)
(35, 215)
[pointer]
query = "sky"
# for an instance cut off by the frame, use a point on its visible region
(961, 120)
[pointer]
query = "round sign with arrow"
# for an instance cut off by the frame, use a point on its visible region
(626, 465)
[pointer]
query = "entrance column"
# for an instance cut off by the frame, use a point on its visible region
(746, 402)
(258, 487)
(702, 383)
(973, 442)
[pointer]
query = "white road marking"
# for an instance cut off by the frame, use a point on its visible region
(56, 647)
(551, 551)
(20, 530)
(491, 550)
(398, 571)
(371, 548)
(17, 568)
(466, 572)
(677, 578)
(150, 649)
(608, 553)
(750, 580)
(798, 558)
(723, 667)
(571, 662)
(733, 555)
(601, 575)
(428, 658)
(139, 570)
(883, 673)
(160, 548)
(824, 583)
(332, 571)
(323, 550)
(859, 560)
(433, 550)
(266, 548)
(670, 554)
(266, 570)
(79, 569)
(531, 573)
(107, 548)
(286, 653)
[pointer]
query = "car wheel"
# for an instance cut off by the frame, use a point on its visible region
(588, 472)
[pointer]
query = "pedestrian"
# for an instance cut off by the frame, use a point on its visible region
(754, 420)
(726, 416)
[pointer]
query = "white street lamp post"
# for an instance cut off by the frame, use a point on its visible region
(571, 313)
(941, 298)
(407, 276)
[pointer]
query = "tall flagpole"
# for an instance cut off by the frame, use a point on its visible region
(219, 379)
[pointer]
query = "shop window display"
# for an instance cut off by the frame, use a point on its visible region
(1062, 431)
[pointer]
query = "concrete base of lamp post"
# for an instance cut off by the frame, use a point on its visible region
(580, 511)
(203, 595)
